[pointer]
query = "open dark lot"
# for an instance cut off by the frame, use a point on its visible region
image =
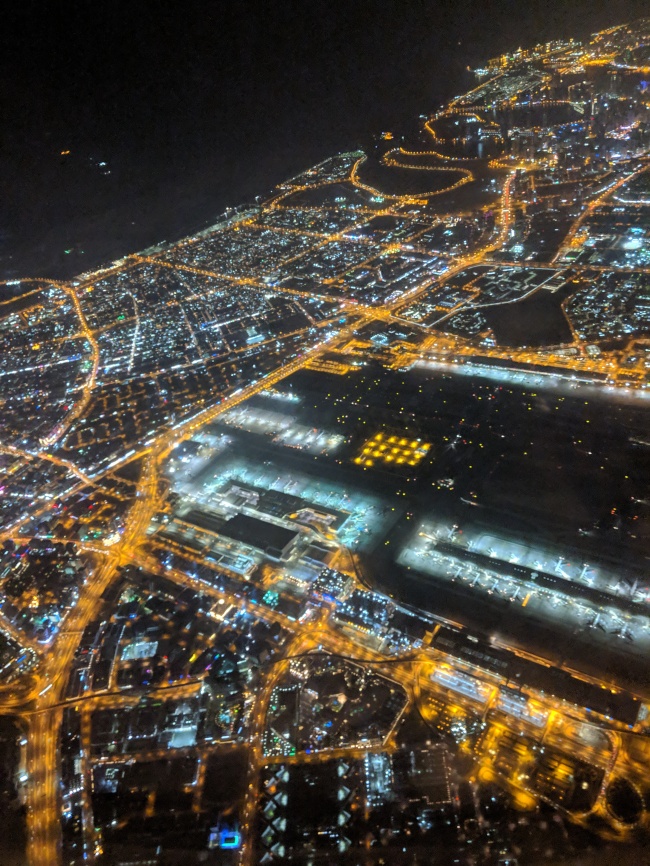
(533, 460)
(533, 322)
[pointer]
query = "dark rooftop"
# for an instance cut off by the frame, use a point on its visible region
(264, 536)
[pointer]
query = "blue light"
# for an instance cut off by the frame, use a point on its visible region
(229, 839)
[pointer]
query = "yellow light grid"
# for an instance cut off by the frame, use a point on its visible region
(389, 449)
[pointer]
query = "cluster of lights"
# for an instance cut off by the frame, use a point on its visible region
(383, 448)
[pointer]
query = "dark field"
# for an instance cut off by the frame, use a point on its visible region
(533, 322)
(548, 467)
(12, 813)
(536, 461)
(542, 115)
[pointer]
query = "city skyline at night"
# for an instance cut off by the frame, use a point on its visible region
(324, 530)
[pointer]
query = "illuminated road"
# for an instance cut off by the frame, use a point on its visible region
(593, 205)
(42, 800)
(81, 405)
(43, 828)
(43, 455)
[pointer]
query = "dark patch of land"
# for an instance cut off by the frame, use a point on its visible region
(14, 840)
(536, 321)
(31, 298)
(389, 180)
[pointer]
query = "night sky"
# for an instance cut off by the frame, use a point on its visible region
(195, 106)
